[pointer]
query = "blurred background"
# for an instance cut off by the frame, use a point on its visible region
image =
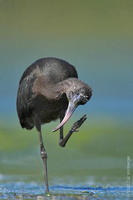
(96, 37)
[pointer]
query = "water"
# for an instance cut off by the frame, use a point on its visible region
(95, 164)
(21, 190)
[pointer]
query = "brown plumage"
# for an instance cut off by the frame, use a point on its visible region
(48, 89)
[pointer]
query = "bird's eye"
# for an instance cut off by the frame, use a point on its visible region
(83, 99)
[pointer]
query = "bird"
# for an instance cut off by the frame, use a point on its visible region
(49, 89)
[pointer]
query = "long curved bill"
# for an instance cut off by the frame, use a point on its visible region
(71, 108)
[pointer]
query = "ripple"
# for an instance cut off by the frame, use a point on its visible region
(21, 190)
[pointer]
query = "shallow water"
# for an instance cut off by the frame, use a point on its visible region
(21, 190)
(88, 168)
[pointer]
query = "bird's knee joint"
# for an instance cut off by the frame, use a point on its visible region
(61, 143)
(43, 154)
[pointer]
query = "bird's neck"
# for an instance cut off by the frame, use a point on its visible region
(66, 84)
(53, 92)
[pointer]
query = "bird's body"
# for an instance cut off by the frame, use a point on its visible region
(30, 102)
(50, 89)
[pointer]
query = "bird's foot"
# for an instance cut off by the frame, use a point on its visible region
(78, 123)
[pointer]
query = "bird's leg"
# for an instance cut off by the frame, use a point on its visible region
(44, 158)
(74, 128)
(61, 129)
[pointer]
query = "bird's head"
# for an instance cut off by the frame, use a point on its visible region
(78, 93)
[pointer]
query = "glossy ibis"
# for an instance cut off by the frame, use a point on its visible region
(50, 89)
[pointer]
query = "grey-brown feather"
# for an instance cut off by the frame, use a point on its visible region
(38, 96)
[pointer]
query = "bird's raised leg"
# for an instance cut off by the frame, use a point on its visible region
(74, 128)
(61, 129)
(43, 156)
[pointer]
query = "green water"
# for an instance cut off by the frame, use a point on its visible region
(93, 164)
